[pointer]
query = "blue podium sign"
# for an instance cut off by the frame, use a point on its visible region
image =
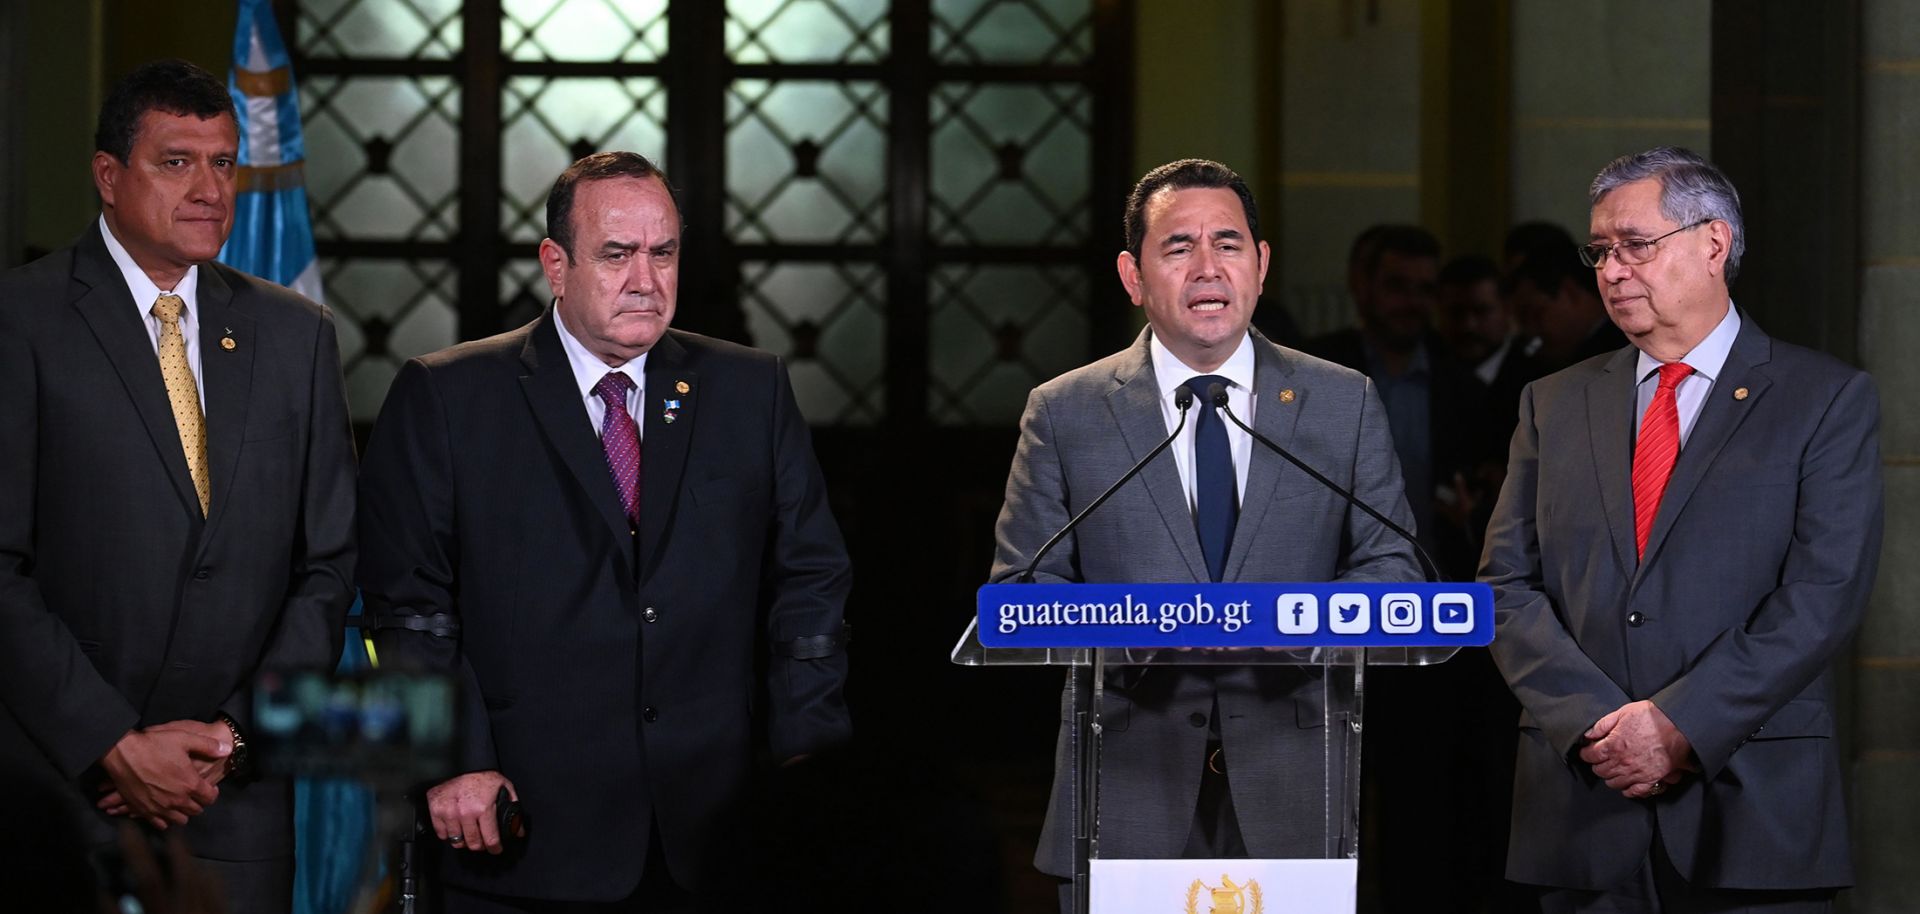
(1235, 615)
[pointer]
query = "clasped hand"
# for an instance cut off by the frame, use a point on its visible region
(166, 773)
(1636, 747)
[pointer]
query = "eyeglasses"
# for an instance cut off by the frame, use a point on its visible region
(1631, 251)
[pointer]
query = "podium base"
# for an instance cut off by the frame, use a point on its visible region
(1224, 886)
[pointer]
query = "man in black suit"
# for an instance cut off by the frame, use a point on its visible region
(629, 529)
(1433, 404)
(176, 494)
(1556, 300)
(1476, 322)
(1425, 848)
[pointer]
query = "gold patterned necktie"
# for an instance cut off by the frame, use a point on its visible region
(182, 392)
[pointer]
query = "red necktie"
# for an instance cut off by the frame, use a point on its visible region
(621, 440)
(1655, 452)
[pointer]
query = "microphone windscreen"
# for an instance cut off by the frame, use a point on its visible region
(1182, 396)
(1217, 395)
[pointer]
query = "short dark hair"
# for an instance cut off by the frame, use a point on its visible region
(597, 167)
(173, 86)
(1530, 238)
(1182, 175)
(1468, 269)
(1376, 241)
(1547, 270)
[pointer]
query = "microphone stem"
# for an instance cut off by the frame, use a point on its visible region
(1026, 577)
(1427, 566)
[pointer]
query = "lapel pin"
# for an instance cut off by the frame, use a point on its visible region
(672, 409)
(1286, 396)
(227, 343)
(680, 387)
(1739, 393)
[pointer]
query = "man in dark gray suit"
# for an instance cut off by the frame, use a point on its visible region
(1688, 533)
(176, 496)
(1202, 761)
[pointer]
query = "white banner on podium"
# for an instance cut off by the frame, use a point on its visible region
(1225, 886)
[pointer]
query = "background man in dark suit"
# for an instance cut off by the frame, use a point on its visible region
(1688, 533)
(176, 493)
(1202, 761)
(1433, 404)
(1424, 846)
(1558, 304)
(623, 608)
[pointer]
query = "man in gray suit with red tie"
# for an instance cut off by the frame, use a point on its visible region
(1688, 533)
(176, 496)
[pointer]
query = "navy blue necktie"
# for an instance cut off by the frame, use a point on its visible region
(1216, 501)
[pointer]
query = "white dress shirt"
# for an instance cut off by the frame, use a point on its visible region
(145, 293)
(1171, 373)
(587, 372)
(1706, 360)
(1489, 368)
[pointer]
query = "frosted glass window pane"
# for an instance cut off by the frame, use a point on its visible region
(996, 331)
(548, 123)
(629, 31)
(382, 156)
(828, 320)
(1012, 31)
(806, 161)
(807, 31)
(422, 29)
(1010, 163)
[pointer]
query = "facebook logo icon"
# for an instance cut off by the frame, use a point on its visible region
(1298, 613)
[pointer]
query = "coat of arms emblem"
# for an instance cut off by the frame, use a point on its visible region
(1227, 898)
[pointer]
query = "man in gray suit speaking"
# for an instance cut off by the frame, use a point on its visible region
(1688, 533)
(1178, 777)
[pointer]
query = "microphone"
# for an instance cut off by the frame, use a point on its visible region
(1183, 400)
(1217, 395)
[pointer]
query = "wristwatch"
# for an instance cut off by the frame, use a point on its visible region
(238, 762)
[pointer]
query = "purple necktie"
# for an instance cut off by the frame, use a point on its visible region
(620, 438)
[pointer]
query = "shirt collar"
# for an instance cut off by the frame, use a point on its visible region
(139, 283)
(1488, 370)
(1170, 372)
(587, 367)
(1709, 356)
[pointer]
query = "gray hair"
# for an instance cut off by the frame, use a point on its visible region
(1691, 190)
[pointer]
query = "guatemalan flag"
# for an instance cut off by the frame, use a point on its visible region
(334, 840)
(272, 233)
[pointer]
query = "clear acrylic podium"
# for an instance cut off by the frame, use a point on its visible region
(1341, 676)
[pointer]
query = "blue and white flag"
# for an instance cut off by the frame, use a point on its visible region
(272, 231)
(273, 238)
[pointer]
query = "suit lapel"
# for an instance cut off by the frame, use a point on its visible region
(1275, 421)
(1720, 415)
(664, 451)
(226, 382)
(1610, 433)
(106, 305)
(562, 412)
(1136, 410)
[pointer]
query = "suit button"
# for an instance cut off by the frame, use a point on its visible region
(1197, 719)
(650, 615)
(649, 715)
(1635, 619)
(201, 574)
